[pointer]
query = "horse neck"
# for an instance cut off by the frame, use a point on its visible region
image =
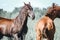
(51, 16)
(22, 17)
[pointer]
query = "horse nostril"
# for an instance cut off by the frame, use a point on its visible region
(33, 17)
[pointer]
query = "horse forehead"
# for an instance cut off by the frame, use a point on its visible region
(28, 5)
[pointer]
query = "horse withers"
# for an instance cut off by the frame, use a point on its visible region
(45, 27)
(14, 26)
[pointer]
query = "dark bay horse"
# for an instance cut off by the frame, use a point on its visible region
(45, 27)
(15, 26)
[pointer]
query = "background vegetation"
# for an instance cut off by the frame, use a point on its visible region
(31, 35)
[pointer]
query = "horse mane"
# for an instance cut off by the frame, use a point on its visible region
(50, 13)
(22, 16)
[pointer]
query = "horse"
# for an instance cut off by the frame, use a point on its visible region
(12, 27)
(45, 27)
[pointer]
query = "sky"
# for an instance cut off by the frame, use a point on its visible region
(9, 5)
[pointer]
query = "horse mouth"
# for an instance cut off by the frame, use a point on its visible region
(33, 18)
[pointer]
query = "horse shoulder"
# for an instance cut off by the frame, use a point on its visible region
(50, 24)
(40, 24)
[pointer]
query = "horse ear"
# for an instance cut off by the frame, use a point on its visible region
(24, 3)
(29, 3)
(53, 5)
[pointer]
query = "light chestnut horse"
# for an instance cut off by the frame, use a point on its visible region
(45, 27)
(14, 26)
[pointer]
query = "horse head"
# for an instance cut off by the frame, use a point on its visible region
(54, 11)
(29, 9)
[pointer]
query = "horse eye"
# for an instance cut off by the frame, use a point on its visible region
(31, 8)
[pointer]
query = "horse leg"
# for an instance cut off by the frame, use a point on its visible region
(1, 36)
(44, 33)
(15, 36)
(23, 32)
(24, 37)
(21, 37)
(38, 35)
(52, 38)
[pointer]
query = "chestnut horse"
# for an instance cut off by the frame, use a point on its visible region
(14, 26)
(45, 27)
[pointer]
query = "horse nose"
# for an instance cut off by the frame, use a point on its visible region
(33, 17)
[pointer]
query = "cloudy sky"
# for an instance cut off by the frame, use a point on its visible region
(9, 5)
